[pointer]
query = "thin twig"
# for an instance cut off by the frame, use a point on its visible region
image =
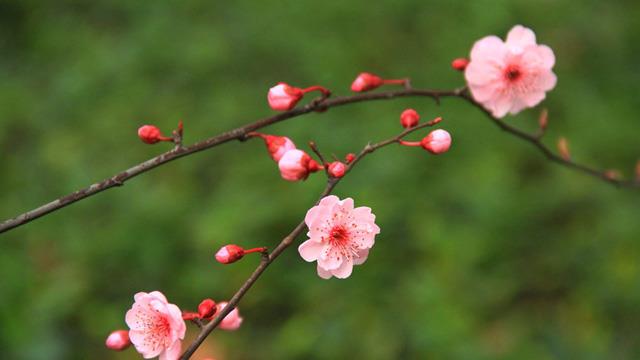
(320, 104)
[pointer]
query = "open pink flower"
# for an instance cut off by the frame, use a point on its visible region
(339, 236)
(506, 77)
(232, 321)
(156, 327)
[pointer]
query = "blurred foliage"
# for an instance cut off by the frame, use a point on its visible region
(487, 252)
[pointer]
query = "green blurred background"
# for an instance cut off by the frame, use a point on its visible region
(486, 252)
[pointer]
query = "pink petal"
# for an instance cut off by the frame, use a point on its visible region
(519, 38)
(501, 106)
(178, 326)
(328, 259)
(344, 270)
(482, 73)
(310, 250)
(489, 48)
(532, 99)
(547, 55)
(158, 295)
(325, 274)
(361, 257)
(172, 352)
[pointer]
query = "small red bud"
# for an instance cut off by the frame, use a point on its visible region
(437, 142)
(206, 308)
(150, 134)
(350, 157)
(613, 174)
(365, 82)
(229, 254)
(460, 64)
(118, 340)
(283, 97)
(337, 169)
(638, 171)
(409, 118)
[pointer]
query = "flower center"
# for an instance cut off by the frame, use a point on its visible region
(512, 73)
(339, 235)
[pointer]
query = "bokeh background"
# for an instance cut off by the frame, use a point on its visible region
(486, 252)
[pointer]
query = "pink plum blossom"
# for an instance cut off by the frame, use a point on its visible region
(232, 321)
(156, 327)
(506, 77)
(339, 236)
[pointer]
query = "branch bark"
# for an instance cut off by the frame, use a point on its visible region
(320, 104)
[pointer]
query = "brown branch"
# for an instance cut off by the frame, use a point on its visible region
(267, 259)
(320, 104)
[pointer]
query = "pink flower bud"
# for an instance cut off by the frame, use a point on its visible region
(337, 169)
(150, 134)
(278, 145)
(229, 254)
(563, 149)
(207, 308)
(409, 118)
(283, 97)
(437, 142)
(294, 165)
(350, 157)
(118, 340)
(365, 82)
(460, 64)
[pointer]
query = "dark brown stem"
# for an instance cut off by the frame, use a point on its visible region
(319, 104)
(286, 241)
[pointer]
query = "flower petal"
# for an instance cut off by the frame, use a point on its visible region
(519, 38)
(310, 250)
(344, 270)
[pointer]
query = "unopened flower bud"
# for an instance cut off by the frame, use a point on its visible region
(638, 171)
(150, 134)
(460, 64)
(207, 308)
(276, 145)
(349, 158)
(295, 165)
(283, 97)
(118, 340)
(337, 169)
(437, 142)
(229, 254)
(409, 118)
(563, 149)
(543, 120)
(365, 82)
